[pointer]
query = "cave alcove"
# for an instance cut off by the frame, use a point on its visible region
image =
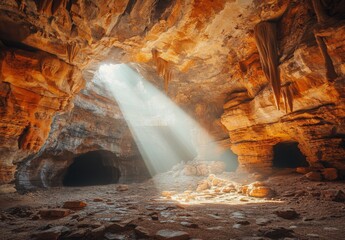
(93, 168)
(288, 155)
(230, 159)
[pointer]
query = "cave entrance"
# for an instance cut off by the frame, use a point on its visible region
(230, 159)
(288, 155)
(93, 168)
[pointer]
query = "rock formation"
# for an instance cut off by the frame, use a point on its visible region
(221, 61)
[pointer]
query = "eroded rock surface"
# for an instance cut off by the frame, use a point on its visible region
(203, 54)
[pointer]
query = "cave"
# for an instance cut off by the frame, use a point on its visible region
(172, 119)
(288, 155)
(92, 168)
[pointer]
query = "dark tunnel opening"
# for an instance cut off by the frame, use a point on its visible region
(93, 168)
(288, 155)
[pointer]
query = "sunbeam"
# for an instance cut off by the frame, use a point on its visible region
(163, 132)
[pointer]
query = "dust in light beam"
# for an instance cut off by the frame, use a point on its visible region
(163, 132)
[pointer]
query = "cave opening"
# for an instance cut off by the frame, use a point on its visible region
(288, 155)
(230, 159)
(93, 168)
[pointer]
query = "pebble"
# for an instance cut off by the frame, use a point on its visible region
(74, 205)
(54, 213)
(51, 233)
(189, 225)
(263, 221)
(286, 213)
(172, 234)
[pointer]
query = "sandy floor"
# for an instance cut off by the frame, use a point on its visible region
(114, 214)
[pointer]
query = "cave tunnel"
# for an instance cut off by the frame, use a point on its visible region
(230, 159)
(93, 168)
(288, 155)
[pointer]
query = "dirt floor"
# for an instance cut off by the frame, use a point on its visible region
(299, 209)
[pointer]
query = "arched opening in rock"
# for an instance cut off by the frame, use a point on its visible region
(230, 159)
(288, 155)
(93, 168)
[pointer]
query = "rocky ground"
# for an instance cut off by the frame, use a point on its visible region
(181, 207)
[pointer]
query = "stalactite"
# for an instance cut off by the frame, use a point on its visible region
(322, 18)
(331, 75)
(287, 95)
(49, 7)
(320, 11)
(266, 42)
(163, 68)
(44, 6)
(72, 51)
(57, 4)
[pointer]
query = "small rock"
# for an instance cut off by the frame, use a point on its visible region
(80, 233)
(98, 200)
(189, 225)
(215, 228)
(168, 194)
(74, 205)
(334, 195)
(97, 233)
(314, 176)
(243, 222)
(142, 232)
(287, 213)
(203, 185)
(236, 226)
(51, 233)
(330, 229)
(330, 174)
(172, 235)
(54, 213)
(277, 233)
(263, 221)
(122, 187)
(303, 170)
(202, 170)
(258, 190)
(111, 236)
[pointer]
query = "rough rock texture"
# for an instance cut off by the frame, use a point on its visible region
(202, 52)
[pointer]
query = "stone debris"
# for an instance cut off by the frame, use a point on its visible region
(54, 213)
(122, 187)
(74, 205)
(51, 234)
(257, 189)
(262, 221)
(314, 176)
(199, 168)
(276, 233)
(171, 235)
(142, 232)
(189, 224)
(286, 213)
(333, 195)
(330, 174)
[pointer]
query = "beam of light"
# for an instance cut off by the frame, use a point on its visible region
(164, 134)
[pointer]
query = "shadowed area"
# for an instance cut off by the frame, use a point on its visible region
(288, 155)
(92, 168)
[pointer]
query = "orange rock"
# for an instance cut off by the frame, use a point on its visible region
(74, 205)
(54, 213)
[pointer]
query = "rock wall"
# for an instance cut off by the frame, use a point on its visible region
(315, 118)
(202, 53)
